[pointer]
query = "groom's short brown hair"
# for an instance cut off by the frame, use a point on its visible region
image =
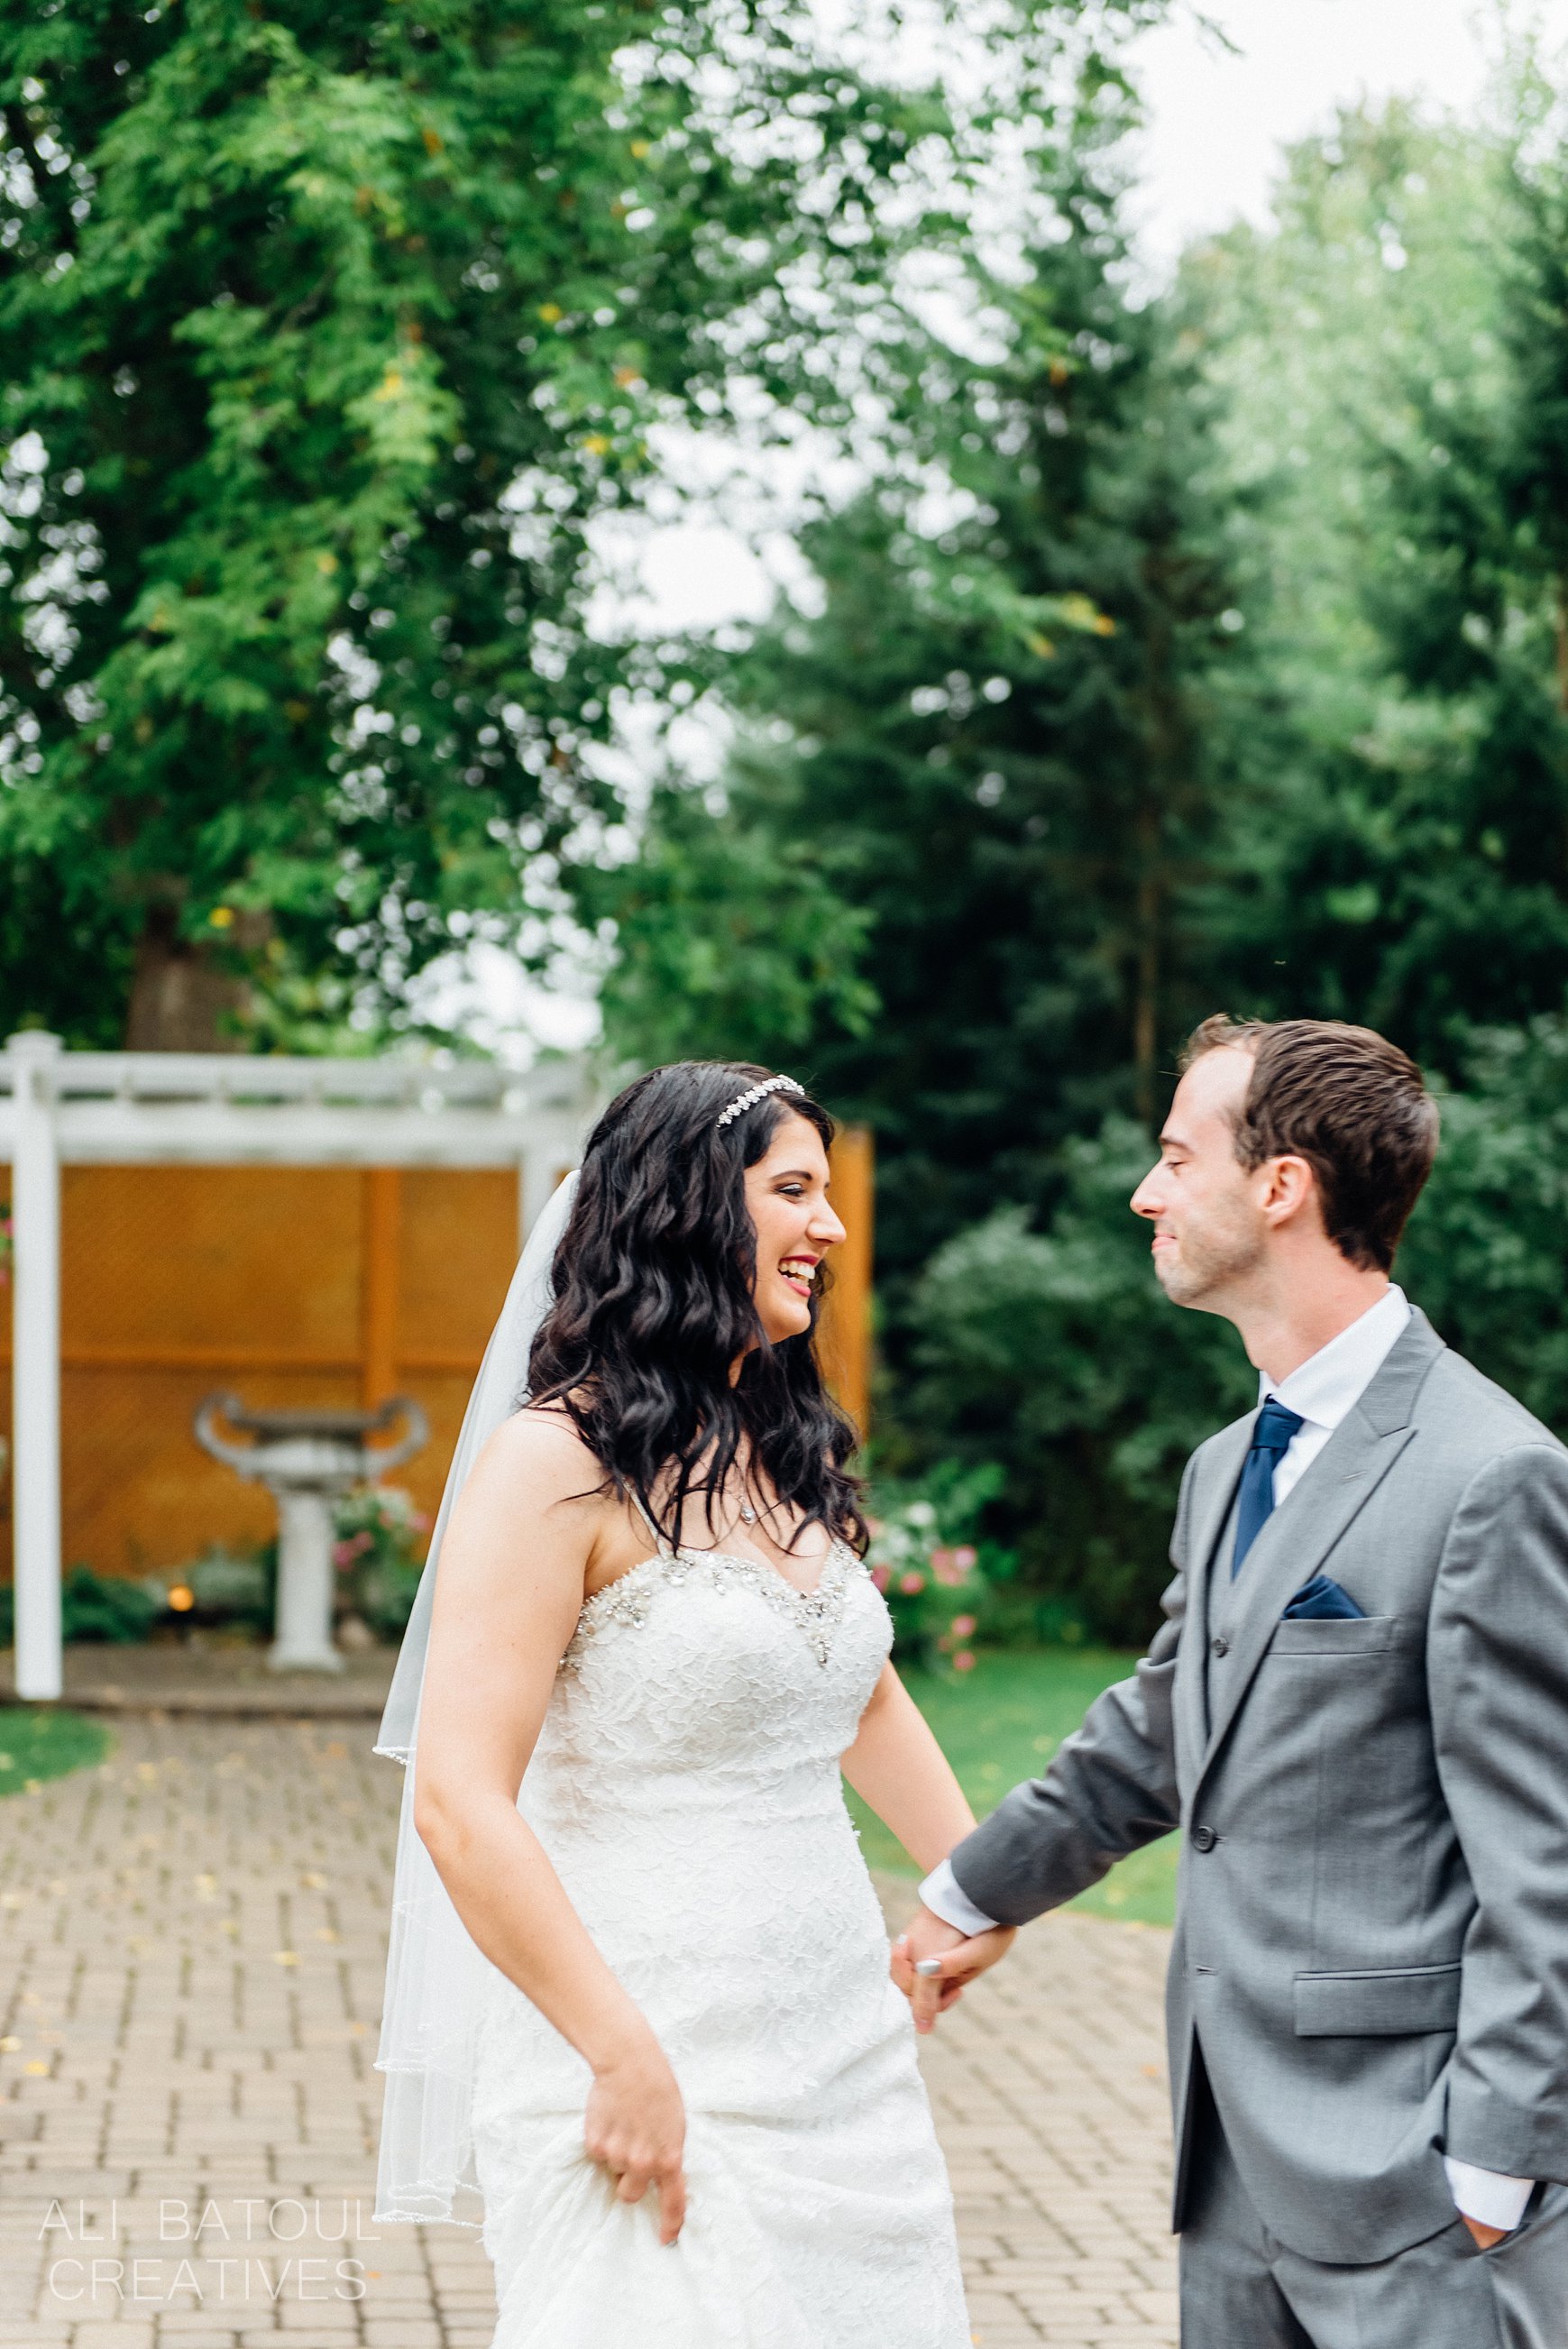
(1350, 1102)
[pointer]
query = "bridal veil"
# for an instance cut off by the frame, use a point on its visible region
(436, 1976)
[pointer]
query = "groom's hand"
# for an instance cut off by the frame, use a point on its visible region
(961, 1957)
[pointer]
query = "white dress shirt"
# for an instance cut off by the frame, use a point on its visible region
(1323, 1391)
(1328, 1385)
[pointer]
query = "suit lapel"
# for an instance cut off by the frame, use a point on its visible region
(1211, 1509)
(1297, 1540)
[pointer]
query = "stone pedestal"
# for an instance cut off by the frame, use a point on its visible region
(307, 1460)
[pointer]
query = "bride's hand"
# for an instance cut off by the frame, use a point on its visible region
(635, 2125)
(956, 1959)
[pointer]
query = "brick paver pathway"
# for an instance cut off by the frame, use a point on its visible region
(191, 1950)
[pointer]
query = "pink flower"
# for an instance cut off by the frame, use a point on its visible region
(964, 1662)
(343, 1556)
(966, 1559)
(912, 1582)
(880, 1577)
(963, 1627)
(945, 1567)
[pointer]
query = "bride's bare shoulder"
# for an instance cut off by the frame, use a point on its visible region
(539, 1445)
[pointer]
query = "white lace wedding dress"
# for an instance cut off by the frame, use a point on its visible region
(687, 1789)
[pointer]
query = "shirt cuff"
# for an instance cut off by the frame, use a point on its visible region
(1484, 2195)
(940, 1894)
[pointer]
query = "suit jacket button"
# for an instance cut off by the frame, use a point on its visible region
(1220, 1647)
(1204, 1839)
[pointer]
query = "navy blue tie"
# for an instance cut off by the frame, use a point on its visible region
(1255, 1503)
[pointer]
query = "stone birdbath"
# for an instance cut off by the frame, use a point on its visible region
(307, 1460)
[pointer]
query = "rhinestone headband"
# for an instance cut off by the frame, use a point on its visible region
(743, 1102)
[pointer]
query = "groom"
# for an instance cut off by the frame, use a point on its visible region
(1358, 1712)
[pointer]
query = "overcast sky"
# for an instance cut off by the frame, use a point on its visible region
(1218, 121)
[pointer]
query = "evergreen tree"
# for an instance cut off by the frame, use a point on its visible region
(1000, 735)
(1054, 1354)
(1397, 358)
(1303, 751)
(1390, 372)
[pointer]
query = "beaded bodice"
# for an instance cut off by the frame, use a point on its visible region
(625, 1602)
(703, 1661)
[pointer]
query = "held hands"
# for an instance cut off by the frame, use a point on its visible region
(959, 1958)
(635, 2126)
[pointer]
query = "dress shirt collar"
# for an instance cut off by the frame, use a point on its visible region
(1328, 1385)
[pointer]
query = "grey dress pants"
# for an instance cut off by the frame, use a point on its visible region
(1242, 2289)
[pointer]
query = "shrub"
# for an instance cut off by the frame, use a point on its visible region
(222, 1587)
(92, 1608)
(377, 1532)
(232, 1586)
(1055, 1355)
(95, 1607)
(1487, 1251)
(923, 1558)
(378, 1554)
(1054, 1352)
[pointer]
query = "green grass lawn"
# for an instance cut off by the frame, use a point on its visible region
(1001, 1723)
(35, 1744)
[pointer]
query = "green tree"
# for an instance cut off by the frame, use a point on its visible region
(325, 333)
(1486, 1253)
(997, 738)
(1319, 763)
(727, 942)
(1394, 361)
(1055, 1353)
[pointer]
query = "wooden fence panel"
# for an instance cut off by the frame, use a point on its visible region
(293, 1286)
(845, 1340)
(176, 1280)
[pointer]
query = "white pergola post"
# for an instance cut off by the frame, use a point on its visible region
(35, 1363)
(189, 1108)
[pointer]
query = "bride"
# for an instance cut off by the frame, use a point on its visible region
(638, 2006)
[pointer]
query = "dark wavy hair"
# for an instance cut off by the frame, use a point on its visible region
(654, 1280)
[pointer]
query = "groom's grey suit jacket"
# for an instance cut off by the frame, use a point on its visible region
(1372, 1931)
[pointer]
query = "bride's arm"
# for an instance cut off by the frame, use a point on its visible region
(896, 1765)
(508, 1595)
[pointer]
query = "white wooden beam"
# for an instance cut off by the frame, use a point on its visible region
(286, 1133)
(36, 1360)
(222, 1109)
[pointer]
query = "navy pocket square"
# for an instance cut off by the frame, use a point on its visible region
(1322, 1599)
